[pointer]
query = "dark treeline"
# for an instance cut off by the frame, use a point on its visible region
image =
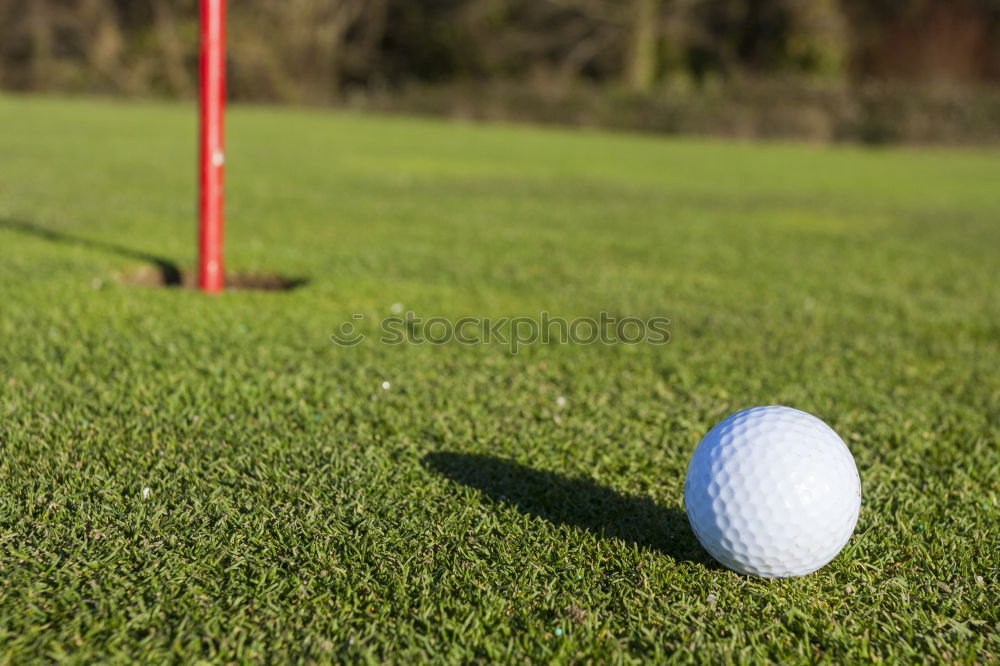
(335, 51)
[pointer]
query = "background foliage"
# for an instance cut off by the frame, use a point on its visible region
(828, 69)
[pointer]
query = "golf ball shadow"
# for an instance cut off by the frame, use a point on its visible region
(575, 501)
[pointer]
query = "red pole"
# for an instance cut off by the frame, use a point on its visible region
(212, 155)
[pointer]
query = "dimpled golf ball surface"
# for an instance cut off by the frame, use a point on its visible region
(772, 492)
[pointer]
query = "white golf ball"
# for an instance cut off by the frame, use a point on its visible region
(773, 492)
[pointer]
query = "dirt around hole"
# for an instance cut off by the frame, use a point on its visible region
(156, 276)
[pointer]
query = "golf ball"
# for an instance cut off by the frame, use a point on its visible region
(772, 492)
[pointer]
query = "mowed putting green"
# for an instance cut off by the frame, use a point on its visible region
(189, 477)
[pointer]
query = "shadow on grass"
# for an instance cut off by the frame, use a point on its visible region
(579, 502)
(170, 273)
(162, 272)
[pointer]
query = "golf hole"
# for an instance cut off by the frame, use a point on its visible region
(170, 276)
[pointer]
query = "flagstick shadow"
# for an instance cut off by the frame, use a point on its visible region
(162, 272)
(170, 273)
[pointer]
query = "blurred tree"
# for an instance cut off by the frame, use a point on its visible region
(176, 53)
(819, 41)
(641, 67)
(937, 41)
(100, 40)
(772, 36)
(303, 50)
(554, 40)
(312, 51)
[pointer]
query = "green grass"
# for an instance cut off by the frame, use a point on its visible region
(297, 510)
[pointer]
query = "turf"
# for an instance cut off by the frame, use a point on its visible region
(187, 477)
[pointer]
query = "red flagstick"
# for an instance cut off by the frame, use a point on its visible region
(212, 155)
